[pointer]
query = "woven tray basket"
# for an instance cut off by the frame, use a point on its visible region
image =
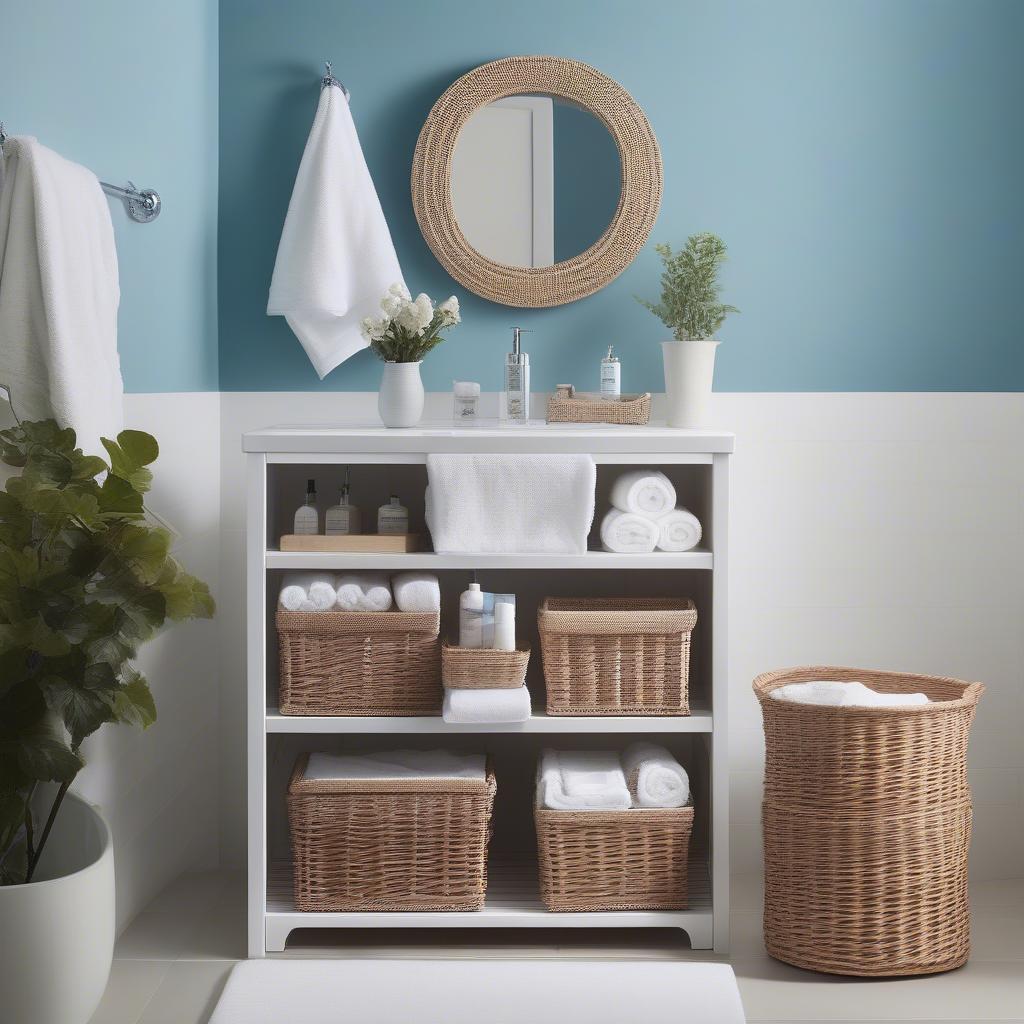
(634, 410)
(613, 860)
(616, 656)
(359, 663)
(867, 821)
(481, 668)
(393, 844)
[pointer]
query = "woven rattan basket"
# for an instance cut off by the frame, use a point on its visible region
(613, 860)
(633, 409)
(395, 844)
(482, 668)
(616, 656)
(867, 820)
(359, 663)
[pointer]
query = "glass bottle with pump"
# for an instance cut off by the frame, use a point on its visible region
(342, 519)
(516, 386)
(307, 515)
(393, 517)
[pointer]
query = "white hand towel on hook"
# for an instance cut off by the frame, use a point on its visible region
(335, 260)
(59, 294)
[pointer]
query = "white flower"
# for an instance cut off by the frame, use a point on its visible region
(415, 315)
(449, 310)
(373, 329)
(391, 304)
(399, 290)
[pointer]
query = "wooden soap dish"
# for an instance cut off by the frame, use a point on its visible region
(383, 543)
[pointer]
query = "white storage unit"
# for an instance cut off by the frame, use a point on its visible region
(393, 461)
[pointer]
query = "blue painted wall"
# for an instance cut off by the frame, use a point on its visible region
(131, 92)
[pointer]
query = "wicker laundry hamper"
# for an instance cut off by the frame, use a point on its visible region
(389, 844)
(867, 821)
(359, 663)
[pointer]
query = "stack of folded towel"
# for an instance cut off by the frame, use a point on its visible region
(486, 706)
(397, 764)
(644, 516)
(645, 775)
(359, 592)
(834, 694)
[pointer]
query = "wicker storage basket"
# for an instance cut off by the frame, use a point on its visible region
(482, 668)
(616, 656)
(389, 844)
(613, 860)
(359, 663)
(632, 410)
(867, 820)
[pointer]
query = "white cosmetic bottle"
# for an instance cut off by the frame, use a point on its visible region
(471, 616)
(393, 517)
(342, 519)
(611, 377)
(307, 515)
(515, 406)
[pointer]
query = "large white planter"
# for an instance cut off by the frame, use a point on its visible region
(57, 932)
(689, 373)
(400, 399)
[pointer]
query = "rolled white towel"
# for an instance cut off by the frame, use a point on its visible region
(641, 490)
(323, 592)
(654, 776)
(628, 533)
(416, 592)
(582, 780)
(307, 592)
(482, 706)
(832, 693)
(365, 592)
(678, 530)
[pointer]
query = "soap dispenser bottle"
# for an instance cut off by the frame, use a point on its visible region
(342, 519)
(307, 515)
(516, 390)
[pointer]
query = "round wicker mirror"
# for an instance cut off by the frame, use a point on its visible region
(639, 194)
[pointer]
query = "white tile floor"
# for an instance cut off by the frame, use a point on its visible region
(171, 962)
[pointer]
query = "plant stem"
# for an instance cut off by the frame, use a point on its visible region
(57, 801)
(30, 849)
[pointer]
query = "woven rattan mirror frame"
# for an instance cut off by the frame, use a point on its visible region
(639, 158)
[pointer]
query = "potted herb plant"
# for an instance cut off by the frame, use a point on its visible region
(691, 309)
(408, 329)
(86, 577)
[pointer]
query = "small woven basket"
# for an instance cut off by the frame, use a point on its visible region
(389, 844)
(616, 656)
(867, 821)
(482, 668)
(613, 860)
(359, 663)
(632, 410)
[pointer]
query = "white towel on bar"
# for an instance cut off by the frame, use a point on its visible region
(397, 764)
(832, 693)
(364, 592)
(655, 778)
(678, 530)
(335, 260)
(483, 706)
(59, 294)
(416, 592)
(536, 504)
(628, 533)
(646, 491)
(307, 592)
(582, 780)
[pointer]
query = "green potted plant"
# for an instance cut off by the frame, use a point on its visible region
(86, 577)
(405, 332)
(691, 308)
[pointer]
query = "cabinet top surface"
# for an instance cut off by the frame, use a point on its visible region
(489, 436)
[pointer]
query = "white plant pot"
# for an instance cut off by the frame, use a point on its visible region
(689, 373)
(400, 399)
(57, 931)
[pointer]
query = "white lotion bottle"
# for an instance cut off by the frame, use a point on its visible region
(505, 622)
(516, 389)
(393, 518)
(307, 515)
(611, 376)
(471, 616)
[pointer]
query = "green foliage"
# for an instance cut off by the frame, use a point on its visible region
(85, 579)
(401, 345)
(690, 305)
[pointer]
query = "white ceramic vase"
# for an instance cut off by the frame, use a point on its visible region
(689, 373)
(400, 399)
(57, 931)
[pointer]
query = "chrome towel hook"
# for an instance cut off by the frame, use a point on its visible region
(329, 80)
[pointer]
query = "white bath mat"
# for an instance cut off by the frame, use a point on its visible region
(471, 991)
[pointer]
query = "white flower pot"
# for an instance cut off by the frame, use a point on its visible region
(689, 372)
(57, 931)
(400, 399)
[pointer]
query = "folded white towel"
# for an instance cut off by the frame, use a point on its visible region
(655, 778)
(307, 592)
(335, 260)
(582, 780)
(60, 293)
(678, 530)
(364, 592)
(538, 504)
(645, 491)
(628, 533)
(416, 592)
(397, 764)
(482, 706)
(831, 693)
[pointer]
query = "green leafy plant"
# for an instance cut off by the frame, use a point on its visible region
(408, 328)
(690, 305)
(86, 577)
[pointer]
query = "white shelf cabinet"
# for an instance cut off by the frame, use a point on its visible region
(278, 456)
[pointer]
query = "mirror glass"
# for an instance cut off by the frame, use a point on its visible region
(535, 180)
